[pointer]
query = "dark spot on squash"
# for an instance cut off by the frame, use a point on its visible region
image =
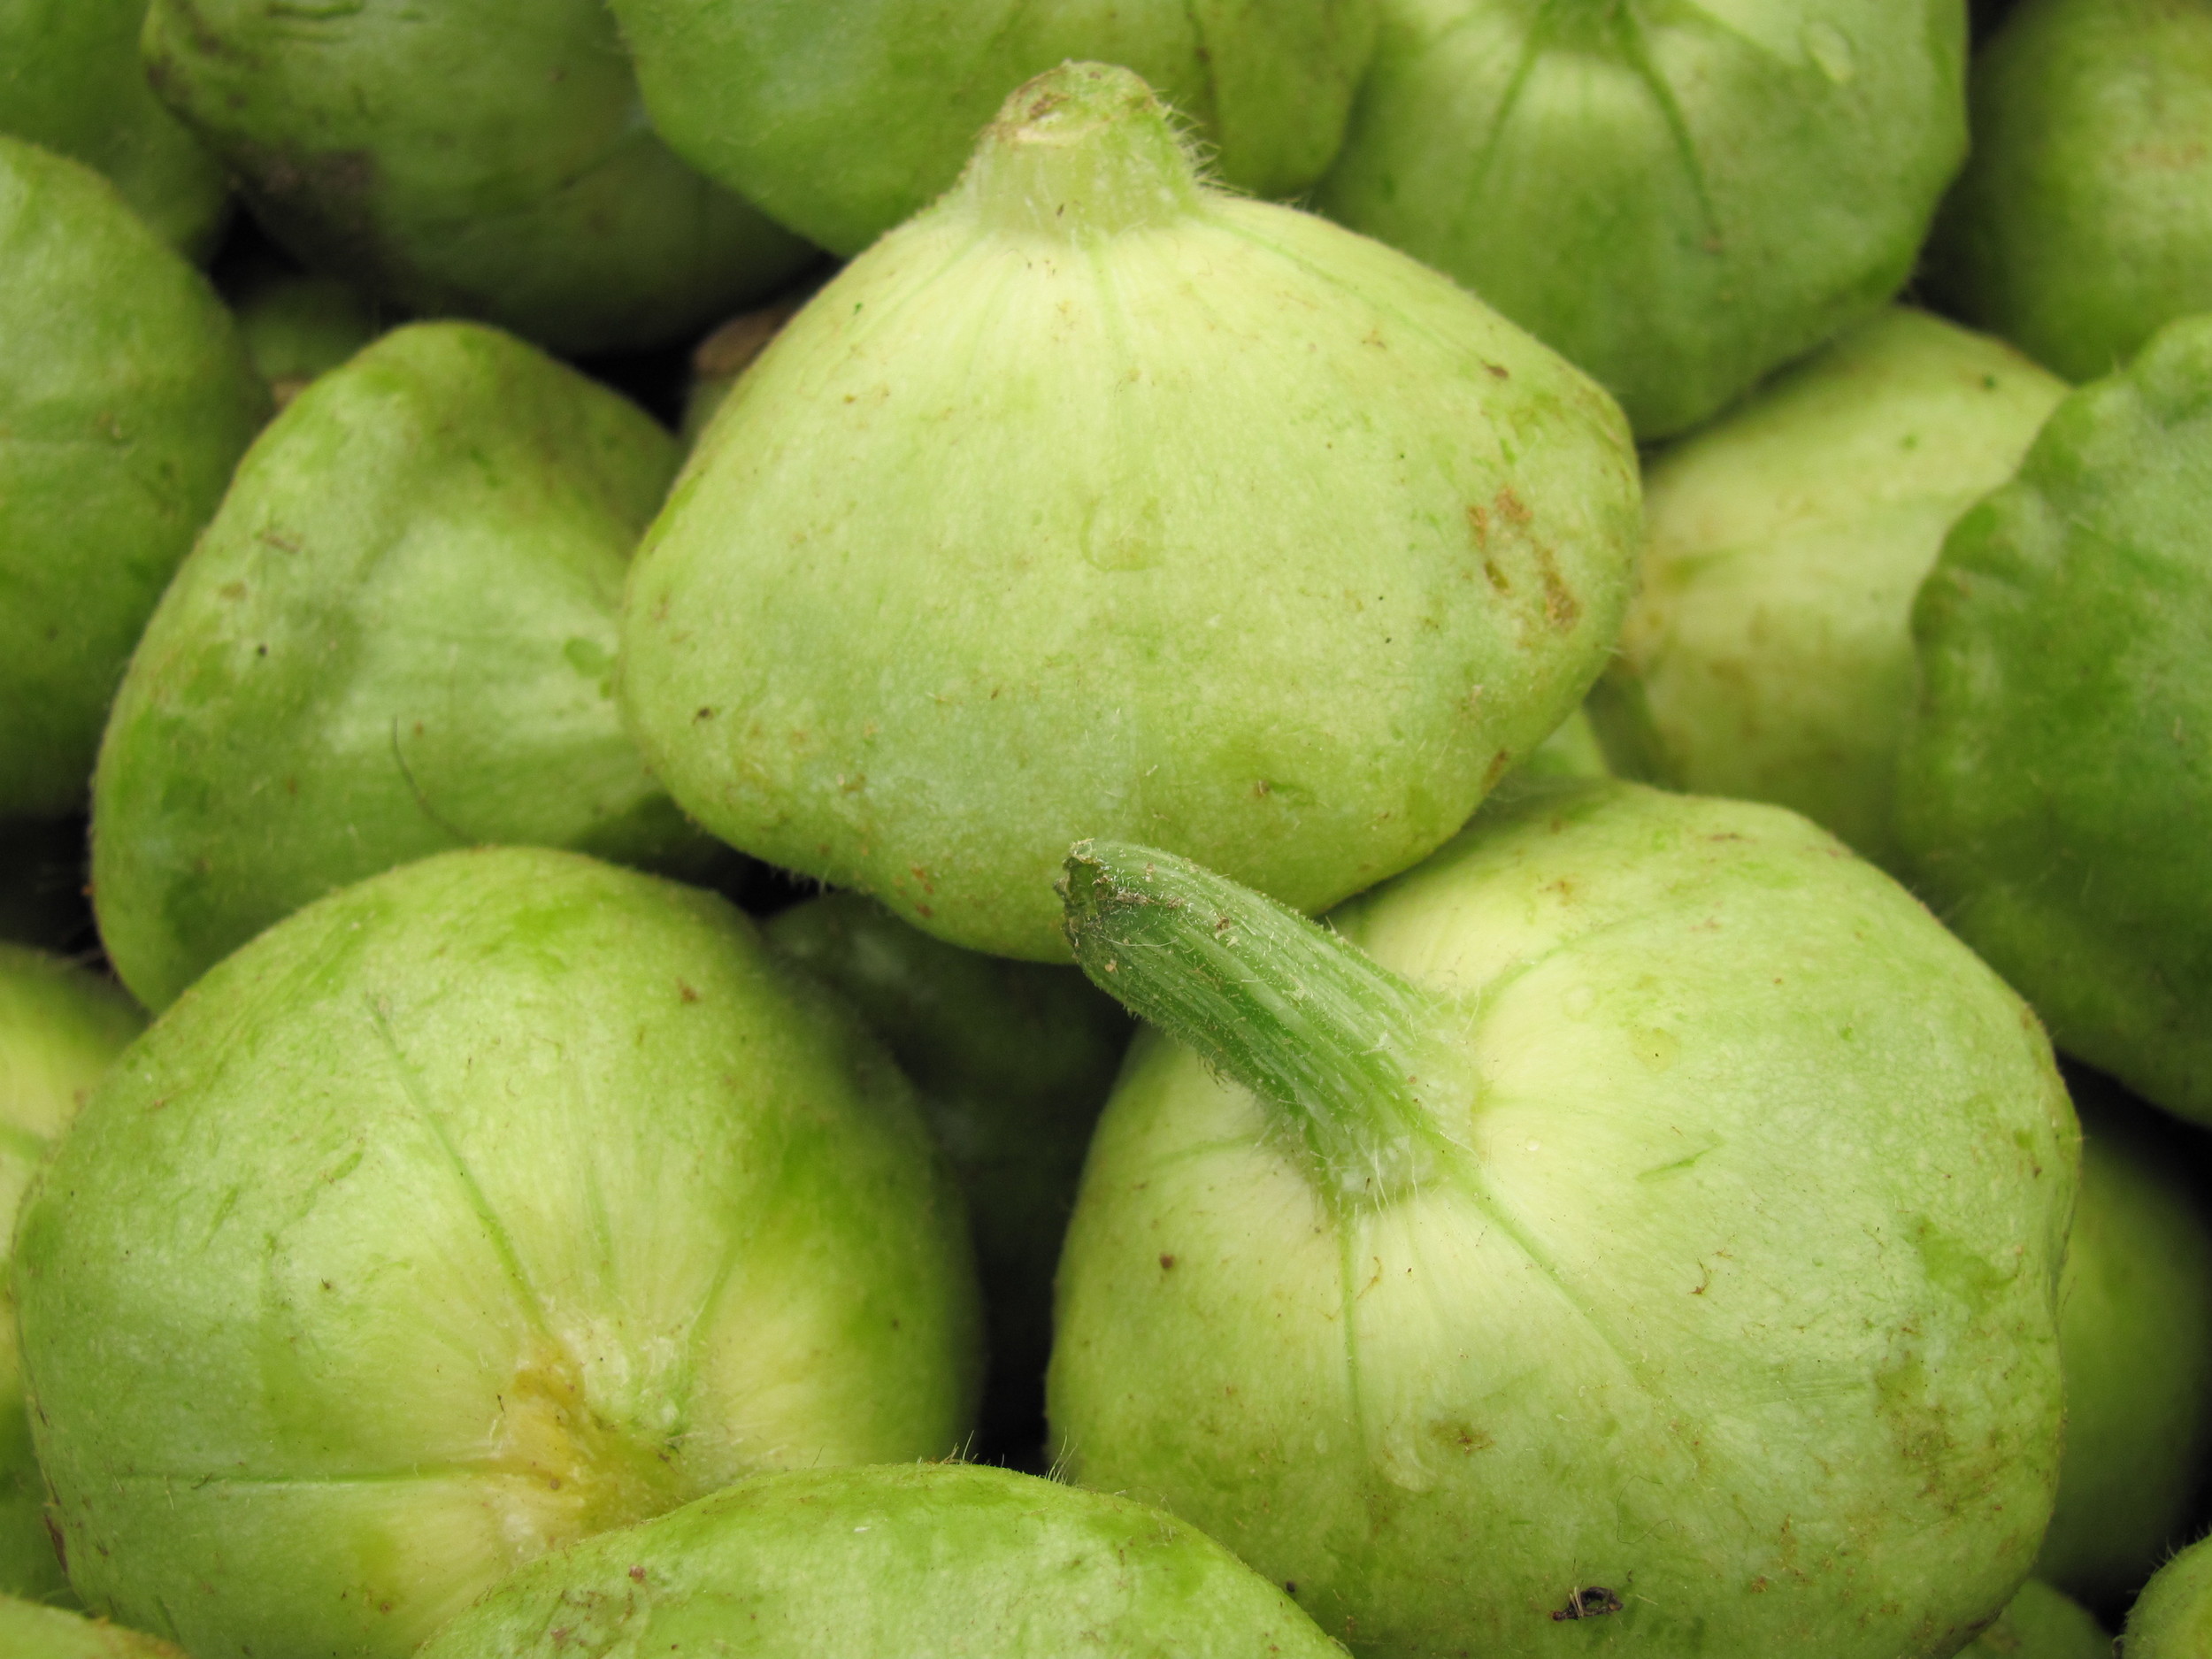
(1591, 1601)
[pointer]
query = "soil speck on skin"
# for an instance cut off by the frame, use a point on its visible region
(1591, 1601)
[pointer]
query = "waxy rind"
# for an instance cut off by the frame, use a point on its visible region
(2053, 791)
(1722, 1319)
(396, 637)
(1678, 198)
(125, 398)
(1094, 502)
(490, 1202)
(911, 1563)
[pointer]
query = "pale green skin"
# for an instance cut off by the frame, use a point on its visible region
(473, 158)
(2172, 1618)
(842, 118)
(891, 1564)
(125, 398)
(1769, 654)
(1095, 502)
(1014, 1061)
(2083, 223)
(1679, 197)
(2040, 1623)
(29, 1632)
(487, 1203)
(396, 637)
(2055, 785)
(1735, 1297)
(61, 1026)
(70, 79)
(2135, 1342)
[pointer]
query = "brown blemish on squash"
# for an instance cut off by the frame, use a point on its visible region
(1562, 609)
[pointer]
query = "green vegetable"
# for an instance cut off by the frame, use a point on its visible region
(843, 116)
(1642, 1215)
(396, 637)
(2083, 224)
(2172, 1618)
(2054, 787)
(60, 1029)
(1678, 198)
(1013, 1061)
(723, 356)
(1769, 654)
(297, 327)
(473, 158)
(2039, 1623)
(487, 1203)
(890, 1563)
(2135, 1343)
(28, 1632)
(1095, 501)
(71, 81)
(125, 400)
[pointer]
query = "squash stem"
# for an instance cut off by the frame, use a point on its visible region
(1356, 1063)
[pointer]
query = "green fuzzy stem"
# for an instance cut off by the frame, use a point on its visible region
(1082, 151)
(1356, 1063)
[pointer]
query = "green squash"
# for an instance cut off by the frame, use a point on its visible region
(890, 1563)
(71, 80)
(60, 1029)
(31, 1632)
(473, 158)
(2172, 1618)
(1769, 654)
(842, 118)
(1013, 1061)
(297, 327)
(2039, 1623)
(2056, 781)
(396, 637)
(1641, 1217)
(1094, 501)
(1680, 198)
(723, 356)
(2135, 1343)
(2083, 223)
(125, 398)
(490, 1202)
